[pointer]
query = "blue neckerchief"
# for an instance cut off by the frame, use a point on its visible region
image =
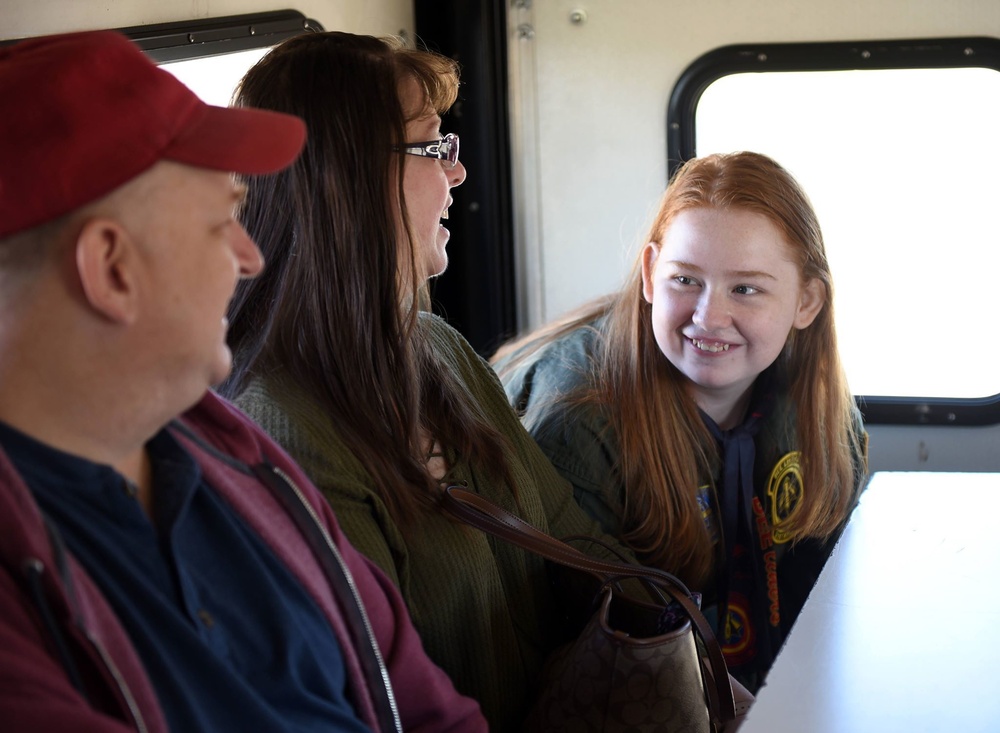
(741, 572)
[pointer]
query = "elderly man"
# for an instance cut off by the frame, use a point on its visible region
(163, 564)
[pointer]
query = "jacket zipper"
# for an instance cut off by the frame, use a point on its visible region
(354, 592)
(36, 566)
(334, 552)
(122, 686)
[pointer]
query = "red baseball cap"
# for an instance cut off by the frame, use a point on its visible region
(84, 113)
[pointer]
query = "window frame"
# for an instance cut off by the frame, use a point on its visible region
(191, 39)
(928, 53)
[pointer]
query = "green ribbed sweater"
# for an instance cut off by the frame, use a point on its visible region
(482, 606)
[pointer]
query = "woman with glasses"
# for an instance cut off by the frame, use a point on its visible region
(379, 401)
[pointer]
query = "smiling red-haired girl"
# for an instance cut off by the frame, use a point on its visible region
(701, 412)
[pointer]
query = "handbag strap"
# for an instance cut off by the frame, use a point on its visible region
(483, 514)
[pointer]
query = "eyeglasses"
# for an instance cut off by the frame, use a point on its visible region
(445, 149)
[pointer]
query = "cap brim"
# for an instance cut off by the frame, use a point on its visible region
(239, 139)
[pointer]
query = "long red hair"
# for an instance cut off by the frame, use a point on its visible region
(666, 449)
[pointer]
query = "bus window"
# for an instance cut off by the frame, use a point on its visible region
(211, 55)
(213, 78)
(900, 165)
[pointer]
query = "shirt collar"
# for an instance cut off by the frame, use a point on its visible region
(56, 473)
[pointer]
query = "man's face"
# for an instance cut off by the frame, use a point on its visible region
(193, 252)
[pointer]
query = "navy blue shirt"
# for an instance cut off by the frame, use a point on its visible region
(229, 638)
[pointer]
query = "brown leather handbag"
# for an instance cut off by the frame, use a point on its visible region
(638, 665)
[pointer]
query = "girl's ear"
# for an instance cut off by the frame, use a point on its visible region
(105, 262)
(811, 302)
(649, 254)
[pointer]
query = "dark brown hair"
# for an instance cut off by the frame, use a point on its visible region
(330, 307)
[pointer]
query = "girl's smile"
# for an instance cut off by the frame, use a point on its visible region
(725, 296)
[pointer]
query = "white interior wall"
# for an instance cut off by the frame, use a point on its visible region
(22, 18)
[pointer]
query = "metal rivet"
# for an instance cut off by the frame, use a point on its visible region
(577, 17)
(525, 32)
(866, 54)
(762, 57)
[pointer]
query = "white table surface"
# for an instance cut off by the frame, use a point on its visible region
(902, 631)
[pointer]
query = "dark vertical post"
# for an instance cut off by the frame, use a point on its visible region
(477, 293)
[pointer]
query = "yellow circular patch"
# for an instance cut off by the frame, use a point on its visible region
(784, 490)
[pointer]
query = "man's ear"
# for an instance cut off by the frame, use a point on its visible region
(811, 302)
(649, 254)
(106, 261)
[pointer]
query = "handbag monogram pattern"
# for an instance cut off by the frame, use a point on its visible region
(607, 681)
(623, 673)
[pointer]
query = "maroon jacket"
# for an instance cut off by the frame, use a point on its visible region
(67, 664)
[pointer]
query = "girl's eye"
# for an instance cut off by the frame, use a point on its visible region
(683, 280)
(745, 289)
